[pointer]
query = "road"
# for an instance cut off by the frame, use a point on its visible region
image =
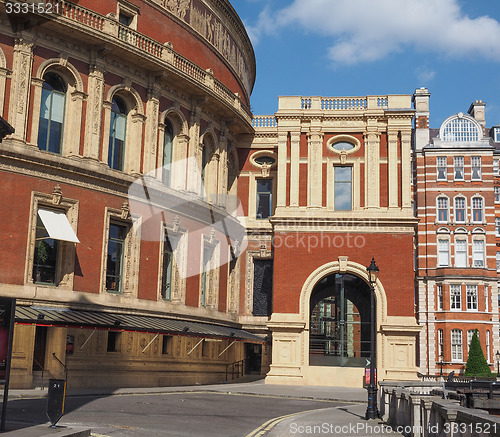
(204, 414)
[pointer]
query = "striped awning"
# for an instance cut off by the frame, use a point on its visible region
(44, 316)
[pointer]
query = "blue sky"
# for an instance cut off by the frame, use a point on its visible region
(360, 47)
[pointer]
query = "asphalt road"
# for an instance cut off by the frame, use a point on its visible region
(169, 414)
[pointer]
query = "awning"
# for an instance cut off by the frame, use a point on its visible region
(57, 225)
(103, 320)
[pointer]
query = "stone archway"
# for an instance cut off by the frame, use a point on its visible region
(396, 338)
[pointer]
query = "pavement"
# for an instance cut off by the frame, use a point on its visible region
(347, 420)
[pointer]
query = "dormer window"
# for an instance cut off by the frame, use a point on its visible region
(460, 127)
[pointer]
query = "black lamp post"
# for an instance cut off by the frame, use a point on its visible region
(372, 409)
(497, 356)
(441, 362)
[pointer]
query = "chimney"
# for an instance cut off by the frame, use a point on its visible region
(421, 105)
(476, 110)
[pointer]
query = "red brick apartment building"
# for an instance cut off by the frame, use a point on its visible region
(456, 269)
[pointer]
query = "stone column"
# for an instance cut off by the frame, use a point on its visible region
(406, 168)
(194, 170)
(37, 102)
(151, 149)
(372, 168)
(20, 87)
(393, 182)
(93, 124)
(222, 171)
(181, 148)
(315, 170)
(106, 106)
(294, 169)
(282, 157)
(133, 146)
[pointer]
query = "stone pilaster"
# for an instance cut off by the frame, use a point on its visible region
(372, 168)
(151, 149)
(20, 86)
(406, 168)
(73, 124)
(294, 168)
(314, 170)
(194, 170)
(392, 139)
(282, 157)
(94, 112)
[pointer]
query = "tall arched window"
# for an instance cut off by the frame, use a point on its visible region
(168, 143)
(117, 130)
(50, 129)
(460, 127)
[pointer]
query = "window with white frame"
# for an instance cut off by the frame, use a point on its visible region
(456, 345)
(442, 209)
(455, 297)
(477, 209)
(478, 253)
(458, 164)
(343, 188)
(443, 253)
(472, 297)
(488, 353)
(486, 299)
(476, 168)
(496, 167)
(496, 134)
(497, 226)
(440, 343)
(497, 194)
(498, 261)
(470, 333)
(442, 171)
(439, 297)
(460, 209)
(461, 253)
(460, 128)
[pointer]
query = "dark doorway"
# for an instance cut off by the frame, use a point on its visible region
(340, 322)
(39, 349)
(254, 358)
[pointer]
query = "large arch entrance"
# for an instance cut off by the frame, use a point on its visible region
(339, 322)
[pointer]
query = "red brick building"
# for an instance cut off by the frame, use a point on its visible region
(454, 181)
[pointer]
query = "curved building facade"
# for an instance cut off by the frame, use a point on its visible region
(120, 230)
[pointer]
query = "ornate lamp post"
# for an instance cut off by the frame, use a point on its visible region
(441, 362)
(372, 410)
(497, 356)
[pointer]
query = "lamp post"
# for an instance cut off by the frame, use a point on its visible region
(497, 356)
(372, 410)
(441, 361)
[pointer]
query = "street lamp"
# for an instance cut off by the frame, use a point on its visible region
(497, 356)
(441, 361)
(372, 410)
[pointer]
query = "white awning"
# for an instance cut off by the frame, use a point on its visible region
(57, 225)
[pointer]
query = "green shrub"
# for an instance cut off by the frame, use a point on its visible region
(476, 363)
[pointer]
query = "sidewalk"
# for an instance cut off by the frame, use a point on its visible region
(337, 421)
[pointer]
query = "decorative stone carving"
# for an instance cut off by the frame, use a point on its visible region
(56, 195)
(125, 210)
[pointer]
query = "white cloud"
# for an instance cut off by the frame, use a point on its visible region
(425, 75)
(367, 30)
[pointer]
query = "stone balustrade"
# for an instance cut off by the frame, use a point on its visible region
(109, 29)
(264, 121)
(417, 409)
(329, 104)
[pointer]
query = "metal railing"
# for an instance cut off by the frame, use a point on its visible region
(237, 369)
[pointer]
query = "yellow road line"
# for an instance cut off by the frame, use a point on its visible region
(270, 424)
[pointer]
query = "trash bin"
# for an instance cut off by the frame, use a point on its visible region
(55, 400)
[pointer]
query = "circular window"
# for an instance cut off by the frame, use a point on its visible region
(264, 159)
(343, 145)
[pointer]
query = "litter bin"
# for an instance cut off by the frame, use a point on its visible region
(55, 400)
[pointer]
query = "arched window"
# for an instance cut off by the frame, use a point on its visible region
(442, 209)
(50, 129)
(168, 143)
(460, 209)
(117, 130)
(477, 209)
(460, 127)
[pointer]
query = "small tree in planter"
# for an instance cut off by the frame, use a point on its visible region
(476, 363)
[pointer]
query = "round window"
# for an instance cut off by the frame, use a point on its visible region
(343, 145)
(264, 160)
